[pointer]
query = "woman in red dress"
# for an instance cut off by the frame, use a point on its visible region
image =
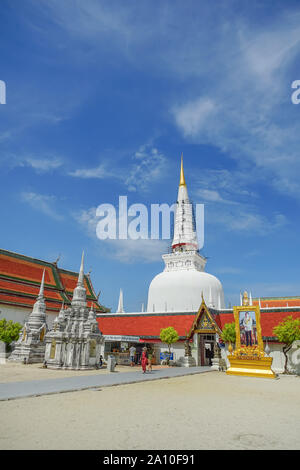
(144, 360)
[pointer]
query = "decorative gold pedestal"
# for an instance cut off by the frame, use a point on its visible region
(251, 367)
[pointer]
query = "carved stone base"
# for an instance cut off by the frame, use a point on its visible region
(187, 361)
(215, 363)
(31, 353)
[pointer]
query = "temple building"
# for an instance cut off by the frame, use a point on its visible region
(202, 328)
(20, 278)
(190, 300)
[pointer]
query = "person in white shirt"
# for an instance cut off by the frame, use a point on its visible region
(132, 352)
(248, 323)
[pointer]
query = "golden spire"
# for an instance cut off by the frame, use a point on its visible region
(182, 179)
(245, 298)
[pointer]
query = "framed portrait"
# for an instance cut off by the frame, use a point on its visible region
(248, 327)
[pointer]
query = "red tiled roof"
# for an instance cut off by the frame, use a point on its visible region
(144, 325)
(223, 318)
(270, 319)
(20, 278)
(268, 302)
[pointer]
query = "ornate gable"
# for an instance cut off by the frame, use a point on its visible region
(204, 322)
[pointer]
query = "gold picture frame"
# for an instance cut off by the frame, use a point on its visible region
(256, 341)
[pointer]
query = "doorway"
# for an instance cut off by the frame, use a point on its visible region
(206, 349)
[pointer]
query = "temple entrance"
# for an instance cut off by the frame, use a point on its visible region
(206, 349)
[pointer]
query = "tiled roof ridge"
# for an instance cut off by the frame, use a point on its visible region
(56, 272)
(26, 257)
(91, 285)
(51, 264)
(142, 314)
(278, 309)
(31, 283)
(287, 297)
(32, 296)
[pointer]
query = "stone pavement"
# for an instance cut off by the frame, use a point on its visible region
(13, 390)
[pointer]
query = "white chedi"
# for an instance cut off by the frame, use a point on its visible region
(30, 347)
(183, 283)
(75, 339)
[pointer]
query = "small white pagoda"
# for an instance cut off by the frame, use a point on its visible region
(74, 340)
(30, 347)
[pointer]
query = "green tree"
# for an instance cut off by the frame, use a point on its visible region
(169, 336)
(9, 331)
(228, 334)
(287, 332)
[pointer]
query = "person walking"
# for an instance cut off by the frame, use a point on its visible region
(150, 356)
(132, 352)
(144, 360)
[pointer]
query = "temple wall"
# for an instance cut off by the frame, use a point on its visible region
(20, 314)
(275, 352)
(177, 349)
(16, 314)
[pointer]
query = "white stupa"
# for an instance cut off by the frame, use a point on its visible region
(180, 287)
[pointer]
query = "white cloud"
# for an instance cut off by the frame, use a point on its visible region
(87, 219)
(231, 73)
(99, 172)
(39, 164)
(229, 184)
(148, 166)
(42, 203)
(43, 164)
(249, 114)
(212, 196)
(247, 221)
(132, 251)
(193, 116)
(145, 166)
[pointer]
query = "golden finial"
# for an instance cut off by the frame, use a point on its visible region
(182, 180)
(245, 298)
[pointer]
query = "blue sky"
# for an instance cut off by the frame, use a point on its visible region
(102, 98)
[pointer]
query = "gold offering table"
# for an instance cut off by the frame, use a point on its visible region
(249, 358)
(250, 362)
(251, 367)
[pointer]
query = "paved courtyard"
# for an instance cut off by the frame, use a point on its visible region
(76, 380)
(204, 411)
